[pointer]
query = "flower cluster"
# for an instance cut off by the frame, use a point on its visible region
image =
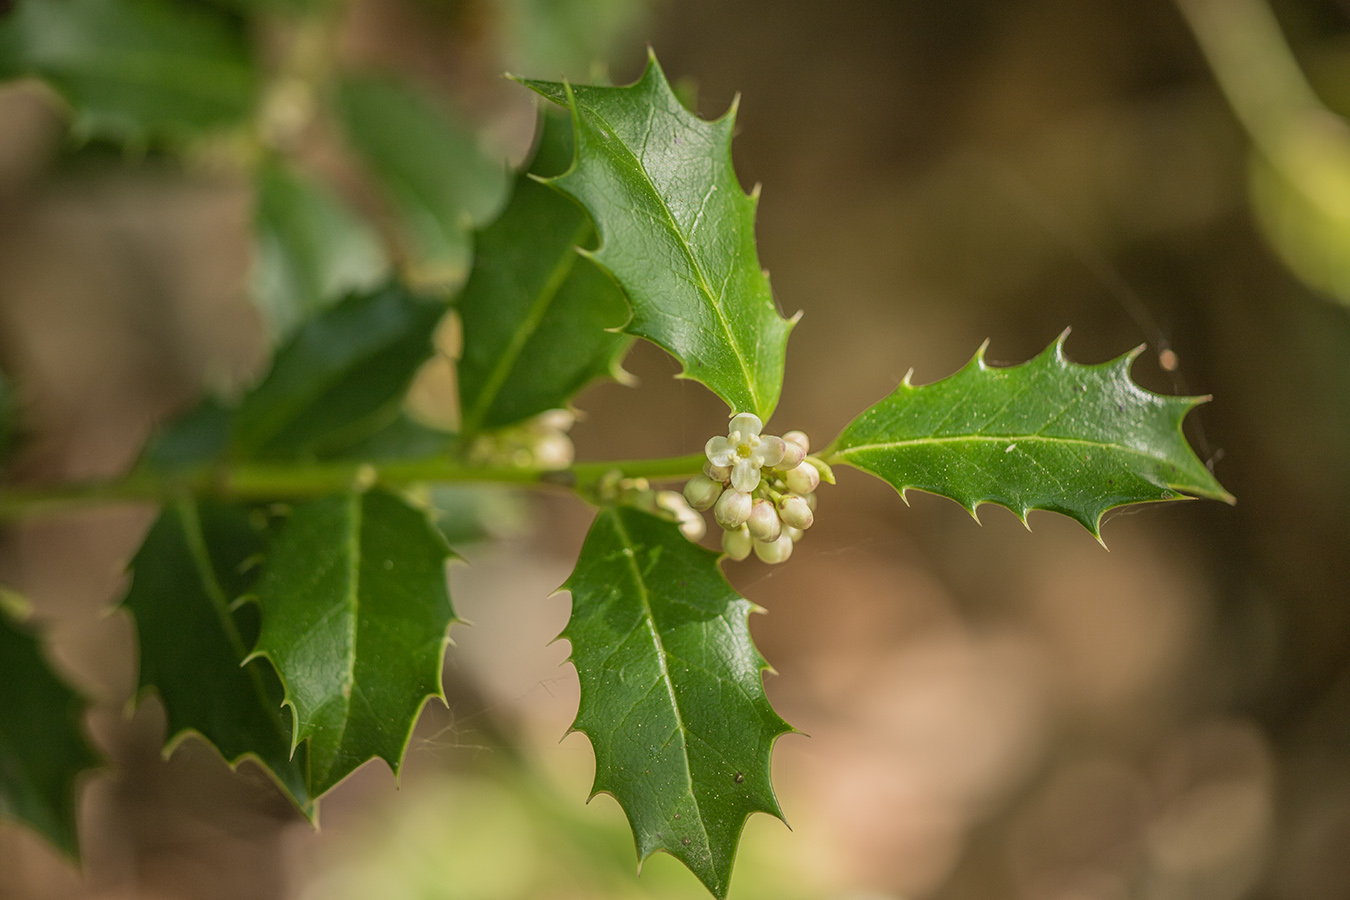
(760, 487)
(540, 443)
(638, 493)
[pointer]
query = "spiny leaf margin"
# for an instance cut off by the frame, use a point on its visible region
(639, 584)
(346, 635)
(907, 439)
(649, 205)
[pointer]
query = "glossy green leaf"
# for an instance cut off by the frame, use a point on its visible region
(311, 249)
(1047, 434)
(134, 70)
(672, 694)
(355, 610)
(340, 379)
(195, 562)
(535, 312)
(433, 171)
(43, 749)
(678, 233)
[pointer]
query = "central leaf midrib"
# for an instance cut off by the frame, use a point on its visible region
(992, 439)
(352, 602)
(685, 246)
(502, 370)
(644, 596)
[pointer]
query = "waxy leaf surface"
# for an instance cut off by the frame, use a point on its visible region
(133, 70)
(437, 178)
(535, 312)
(672, 693)
(1046, 434)
(43, 749)
(340, 379)
(678, 233)
(355, 610)
(195, 563)
(311, 249)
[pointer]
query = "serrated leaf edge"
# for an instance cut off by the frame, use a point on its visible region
(1054, 352)
(197, 547)
(763, 409)
(395, 765)
(718, 890)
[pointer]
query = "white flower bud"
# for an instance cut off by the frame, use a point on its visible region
(803, 480)
(702, 492)
(763, 523)
(810, 500)
(793, 454)
(732, 509)
(795, 533)
(800, 439)
(553, 451)
(773, 552)
(555, 420)
(794, 511)
(692, 526)
(717, 473)
(737, 543)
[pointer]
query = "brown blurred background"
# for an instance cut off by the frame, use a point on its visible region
(992, 713)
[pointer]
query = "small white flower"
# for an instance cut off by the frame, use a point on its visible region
(745, 451)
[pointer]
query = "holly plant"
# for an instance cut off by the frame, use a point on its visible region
(290, 601)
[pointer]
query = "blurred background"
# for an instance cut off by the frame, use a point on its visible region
(991, 713)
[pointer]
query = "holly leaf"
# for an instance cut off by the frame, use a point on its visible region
(197, 436)
(431, 168)
(677, 232)
(43, 748)
(134, 70)
(535, 312)
(340, 379)
(195, 562)
(355, 610)
(672, 694)
(1046, 434)
(311, 249)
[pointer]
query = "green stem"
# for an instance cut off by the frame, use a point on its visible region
(301, 480)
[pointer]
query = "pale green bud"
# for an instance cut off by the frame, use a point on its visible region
(800, 439)
(763, 522)
(737, 543)
(803, 480)
(732, 509)
(773, 552)
(702, 492)
(795, 512)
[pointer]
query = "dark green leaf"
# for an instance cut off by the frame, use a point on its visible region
(134, 70)
(403, 438)
(678, 233)
(439, 180)
(311, 250)
(354, 615)
(192, 567)
(672, 694)
(43, 749)
(196, 437)
(534, 310)
(340, 379)
(1047, 434)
